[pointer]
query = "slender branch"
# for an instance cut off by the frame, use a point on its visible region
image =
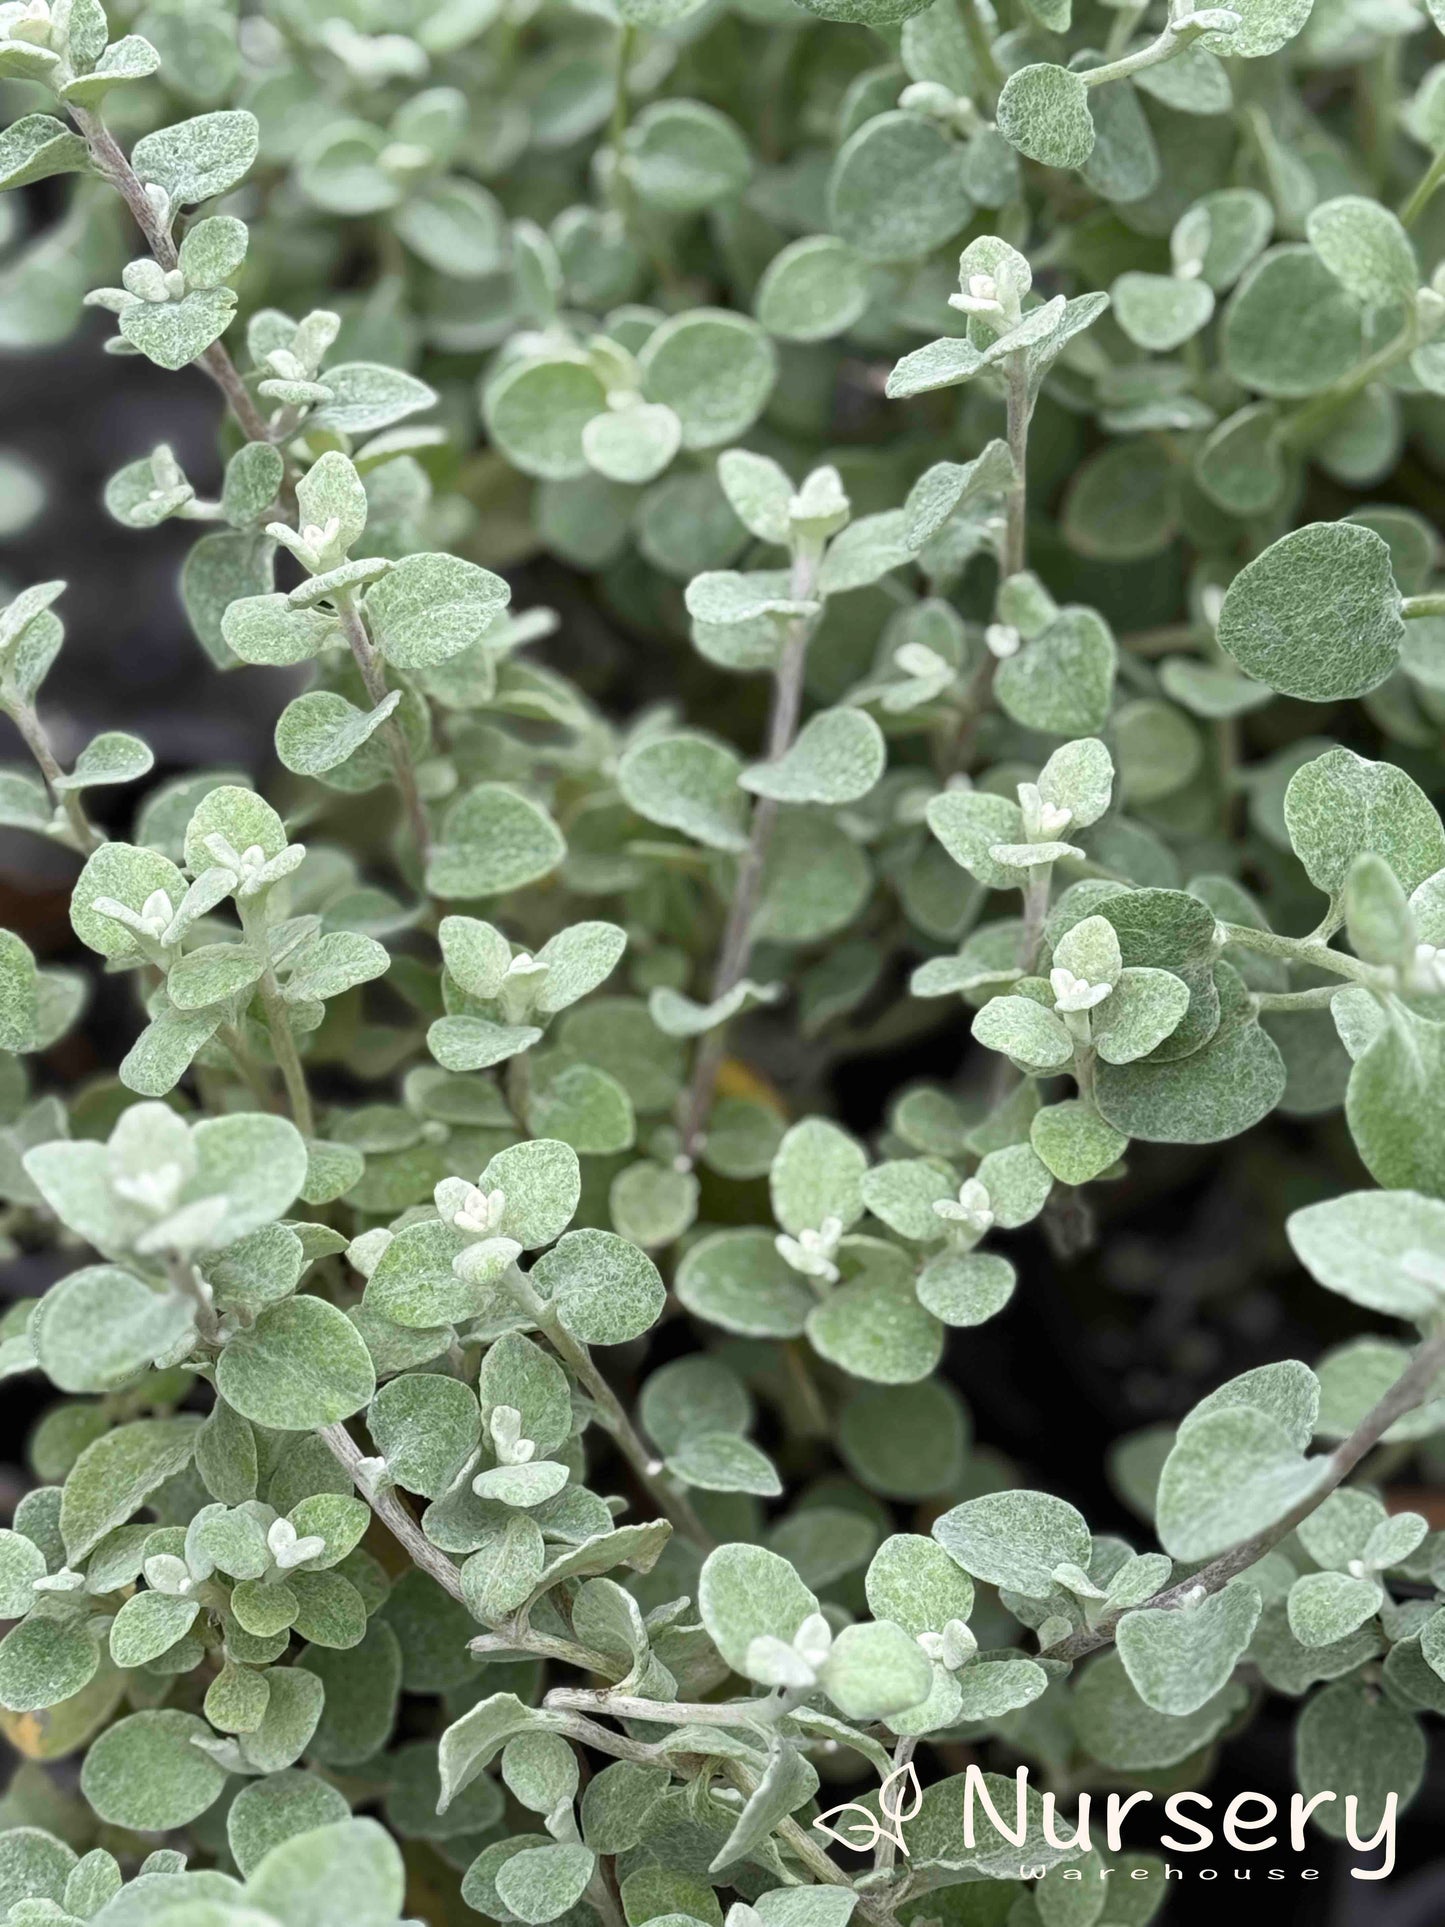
(887, 1847)
(1316, 413)
(1319, 998)
(979, 45)
(251, 1073)
(1019, 413)
(83, 832)
(1169, 43)
(816, 1858)
(1305, 950)
(110, 160)
(404, 1528)
(394, 1515)
(653, 1753)
(526, 1639)
(353, 625)
(1126, 23)
(1013, 552)
(670, 1498)
(278, 1024)
(627, 1706)
(1414, 606)
(622, 194)
(288, 1058)
(1420, 196)
(797, 1839)
(737, 940)
(1412, 1388)
(588, 1733)
(1036, 911)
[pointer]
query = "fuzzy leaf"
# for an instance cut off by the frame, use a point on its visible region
(1015, 1539)
(838, 757)
(1317, 615)
(193, 160)
(300, 1366)
(689, 783)
(1339, 806)
(430, 607)
(1179, 1658)
(1231, 1474)
(1043, 111)
(606, 1291)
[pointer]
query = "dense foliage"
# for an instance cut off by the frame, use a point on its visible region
(1027, 402)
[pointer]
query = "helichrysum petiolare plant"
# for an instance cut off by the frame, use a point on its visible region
(1023, 396)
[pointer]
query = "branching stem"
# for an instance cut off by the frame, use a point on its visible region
(1013, 552)
(627, 1706)
(573, 1705)
(1307, 950)
(288, 1058)
(393, 1514)
(1412, 1388)
(353, 625)
(669, 1497)
(737, 940)
(1302, 426)
(1319, 998)
(82, 832)
(110, 160)
(278, 1025)
(1169, 43)
(251, 1073)
(1019, 413)
(1423, 192)
(1036, 911)
(526, 1639)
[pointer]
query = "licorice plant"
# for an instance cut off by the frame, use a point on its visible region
(1042, 406)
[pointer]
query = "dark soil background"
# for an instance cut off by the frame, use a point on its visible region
(1189, 1283)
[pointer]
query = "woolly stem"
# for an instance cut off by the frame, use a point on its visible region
(1036, 911)
(393, 1514)
(111, 162)
(278, 1025)
(353, 627)
(1306, 950)
(288, 1058)
(1019, 413)
(1319, 998)
(627, 1706)
(669, 1498)
(251, 1073)
(737, 940)
(83, 833)
(1169, 43)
